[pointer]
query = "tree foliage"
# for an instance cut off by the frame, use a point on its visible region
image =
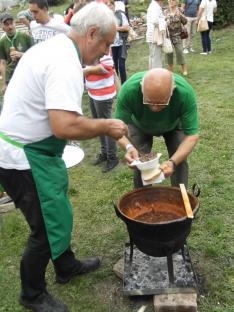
(225, 13)
(55, 2)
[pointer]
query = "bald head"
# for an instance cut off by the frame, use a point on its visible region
(157, 86)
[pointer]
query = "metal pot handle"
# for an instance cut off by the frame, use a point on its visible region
(116, 209)
(196, 190)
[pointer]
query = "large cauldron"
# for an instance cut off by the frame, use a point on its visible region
(161, 237)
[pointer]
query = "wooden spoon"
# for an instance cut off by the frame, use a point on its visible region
(186, 202)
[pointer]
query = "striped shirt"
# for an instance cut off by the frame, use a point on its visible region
(102, 86)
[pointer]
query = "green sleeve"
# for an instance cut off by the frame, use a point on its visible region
(2, 51)
(123, 109)
(189, 119)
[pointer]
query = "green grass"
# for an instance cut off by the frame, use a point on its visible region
(98, 231)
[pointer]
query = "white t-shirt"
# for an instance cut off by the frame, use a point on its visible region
(48, 76)
(208, 7)
(42, 32)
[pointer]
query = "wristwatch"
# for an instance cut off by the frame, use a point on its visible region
(173, 162)
(129, 145)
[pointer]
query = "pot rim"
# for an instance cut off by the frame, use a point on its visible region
(195, 210)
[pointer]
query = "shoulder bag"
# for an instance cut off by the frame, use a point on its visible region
(167, 45)
(184, 32)
(202, 24)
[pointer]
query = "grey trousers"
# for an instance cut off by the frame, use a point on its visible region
(103, 109)
(191, 28)
(144, 142)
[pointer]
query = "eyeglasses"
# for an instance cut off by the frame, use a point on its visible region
(156, 104)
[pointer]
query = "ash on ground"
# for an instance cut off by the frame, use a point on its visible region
(148, 275)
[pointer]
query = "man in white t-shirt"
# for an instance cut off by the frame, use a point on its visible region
(42, 108)
(44, 26)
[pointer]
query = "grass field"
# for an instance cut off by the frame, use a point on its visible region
(98, 231)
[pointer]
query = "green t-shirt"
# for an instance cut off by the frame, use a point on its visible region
(182, 108)
(21, 41)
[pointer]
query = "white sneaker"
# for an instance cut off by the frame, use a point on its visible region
(185, 51)
(203, 53)
(191, 50)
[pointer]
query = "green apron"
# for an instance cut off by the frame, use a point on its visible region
(50, 176)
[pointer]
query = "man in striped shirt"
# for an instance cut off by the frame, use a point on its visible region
(100, 84)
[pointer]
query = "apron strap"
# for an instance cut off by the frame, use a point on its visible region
(9, 140)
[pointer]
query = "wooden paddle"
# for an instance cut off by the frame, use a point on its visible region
(186, 202)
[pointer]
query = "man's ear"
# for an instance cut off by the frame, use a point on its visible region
(92, 33)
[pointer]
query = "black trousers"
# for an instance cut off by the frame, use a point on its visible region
(20, 186)
(119, 63)
(205, 36)
(144, 142)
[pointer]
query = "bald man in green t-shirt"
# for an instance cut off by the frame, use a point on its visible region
(158, 103)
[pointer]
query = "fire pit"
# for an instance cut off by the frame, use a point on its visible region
(156, 220)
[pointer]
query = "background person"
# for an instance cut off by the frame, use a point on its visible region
(159, 103)
(100, 83)
(190, 9)
(25, 17)
(207, 9)
(125, 7)
(42, 109)
(72, 9)
(154, 18)
(13, 44)
(119, 47)
(175, 19)
(44, 26)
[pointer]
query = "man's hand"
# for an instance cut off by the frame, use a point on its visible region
(116, 128)
(167, 168)
(131, 151)
(131, 155)
(15, 55)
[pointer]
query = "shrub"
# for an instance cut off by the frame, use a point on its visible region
(225, 13)
(55, 2)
